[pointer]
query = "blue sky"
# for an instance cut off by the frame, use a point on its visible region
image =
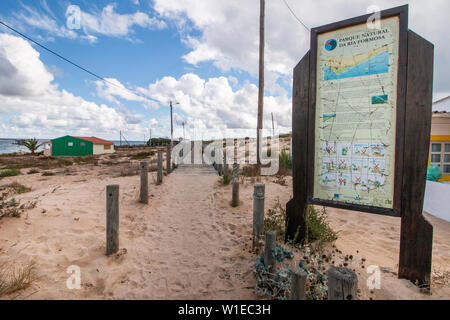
(201, 53)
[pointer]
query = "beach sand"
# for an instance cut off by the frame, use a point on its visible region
(187, 243)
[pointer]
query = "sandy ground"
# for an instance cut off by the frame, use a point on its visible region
(188, 243)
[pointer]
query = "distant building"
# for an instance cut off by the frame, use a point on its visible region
(440, 137)
(77, 146)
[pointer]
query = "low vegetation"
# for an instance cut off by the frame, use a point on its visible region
(33, 171)
(142, 155)
(19, 188)
(285, 163)
(13, 280)
(225, 180)
(9, 173)
(48, 174)
(275, 220)
(319, 230)
(318, 226)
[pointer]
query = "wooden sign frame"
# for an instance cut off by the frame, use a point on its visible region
(413, 125)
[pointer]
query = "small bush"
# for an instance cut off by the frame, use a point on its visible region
(318, 226)
(9, 173)
(275, 220)
(19, 188)
(48, 174)
(225, 180)
(33, 171)
(285, 163)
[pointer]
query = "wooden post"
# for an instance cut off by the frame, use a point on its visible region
(225, 164)
(159, 177)
(258, 213)
(112, 219)
(296, 209)
(235, 192)
(416, 238)
(298, 283)
(271, 238)
(144, 182)
(342, 284)
(168, 160)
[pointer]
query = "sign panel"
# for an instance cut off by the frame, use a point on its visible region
(355, 114)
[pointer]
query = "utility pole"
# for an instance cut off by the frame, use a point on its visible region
(171, 126)
(273, 127)
(261, 82)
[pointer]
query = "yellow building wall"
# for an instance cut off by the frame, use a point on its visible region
(440, 131)
(100, 149)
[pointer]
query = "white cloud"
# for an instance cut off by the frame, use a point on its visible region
(229, 31)
(37, 107)
(214, 103)
(113, 89)
(108, 22)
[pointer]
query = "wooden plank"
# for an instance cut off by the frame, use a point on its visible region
(296, 208)
(416, 238)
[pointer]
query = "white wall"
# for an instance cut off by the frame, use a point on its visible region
(100, 149)
(437, 200)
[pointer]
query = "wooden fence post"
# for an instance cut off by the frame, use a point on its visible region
(144, 182)
(225, 164)
(342, 284)
(159, 176)
(298, 283)
(235, 192)
(269, 259)
(258, 213)
(112, 219)
(168, 159)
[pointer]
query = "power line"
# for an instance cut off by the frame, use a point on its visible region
(293, 13)
(74, 64)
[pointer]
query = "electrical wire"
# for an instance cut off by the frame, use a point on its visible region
(298, 19)
(74, 64)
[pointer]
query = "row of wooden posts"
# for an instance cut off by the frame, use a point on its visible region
(342, 282)
(112, 200)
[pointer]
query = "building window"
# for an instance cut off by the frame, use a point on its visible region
(107, 147)
(440, 156)
(70, 144)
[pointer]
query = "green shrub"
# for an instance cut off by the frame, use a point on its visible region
(318, 226)
(226, 179)
(19, 188)
(33, 171)
(9, 173)
(285, 163)
(275, 220)
(48, 174)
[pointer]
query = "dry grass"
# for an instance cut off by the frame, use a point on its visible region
(14, 279)
(19, 188)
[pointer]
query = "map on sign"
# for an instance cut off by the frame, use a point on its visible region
(356, 100)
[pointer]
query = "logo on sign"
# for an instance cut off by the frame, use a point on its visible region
(331, 44)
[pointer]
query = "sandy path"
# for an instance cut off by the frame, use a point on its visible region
(192, 253)
(182, 245)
